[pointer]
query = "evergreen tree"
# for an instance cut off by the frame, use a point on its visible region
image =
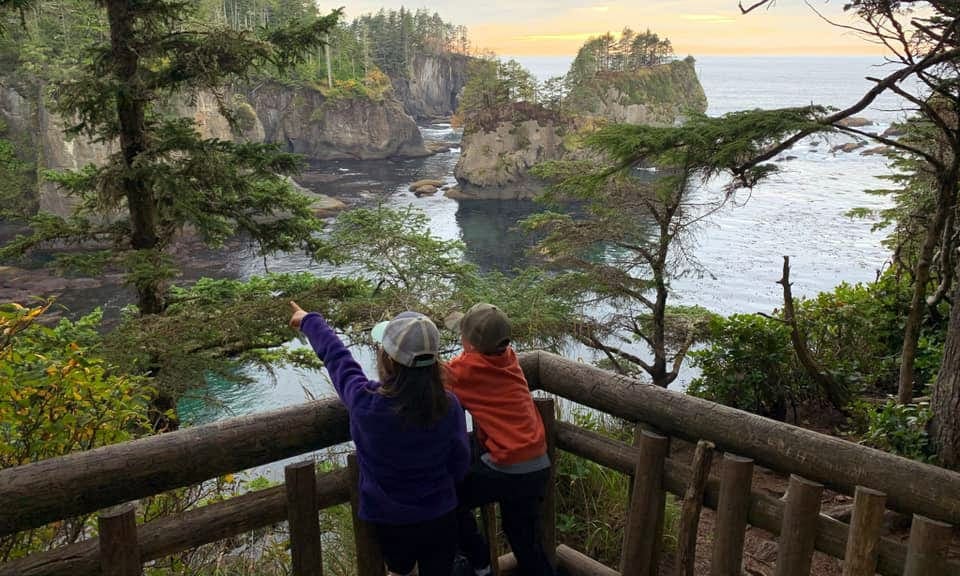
(632, 237)
(165, 177)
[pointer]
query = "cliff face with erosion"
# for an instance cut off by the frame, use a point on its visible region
(497, 154)
(500, 146)
(40, 134)
(299, 119)
(306, 122)
(432, 88)
(658, 95)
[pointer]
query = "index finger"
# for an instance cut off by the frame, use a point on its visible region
(296, 307)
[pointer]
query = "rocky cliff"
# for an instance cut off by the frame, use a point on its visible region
(500, 146)
(497, 154)
(304, 121)
(431, 90)
(658, 95)
(301, 120)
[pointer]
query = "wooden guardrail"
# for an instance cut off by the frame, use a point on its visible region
(814, 460)
(35, 494)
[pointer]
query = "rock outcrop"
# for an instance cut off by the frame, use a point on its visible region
(658, 95)
(500, 146)
(495, 160)
(304, 121)
(431, 90)
(301, 120)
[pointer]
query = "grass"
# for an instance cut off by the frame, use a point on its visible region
(592, 499)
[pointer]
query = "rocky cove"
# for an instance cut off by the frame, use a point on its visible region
(372, 124)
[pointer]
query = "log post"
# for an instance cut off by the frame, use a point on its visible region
(119, 553)
(798, 530)
(927, 551)
(862, 553)
(549, 507)
(692, 505)
(303, 519)
(369, 557)
(639, 548)
(575, 563)
(488, 514)
(733, 507)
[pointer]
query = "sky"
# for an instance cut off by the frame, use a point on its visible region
(697, 27)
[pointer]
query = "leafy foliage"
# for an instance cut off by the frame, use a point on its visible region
(898, 428)
(854, 332)
(493, 86)
(749, 365)
(632, 235)
(59, 395)
(16, 198)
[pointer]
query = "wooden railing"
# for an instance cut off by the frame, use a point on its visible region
(106, 478)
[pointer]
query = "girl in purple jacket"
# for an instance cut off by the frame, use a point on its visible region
(410, 436)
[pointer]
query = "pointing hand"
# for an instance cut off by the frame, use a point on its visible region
(297, 317)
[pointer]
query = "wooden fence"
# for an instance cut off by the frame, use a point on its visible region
(108, 478)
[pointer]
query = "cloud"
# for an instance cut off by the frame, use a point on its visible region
(600, 8)
(579, 36)
(708, 18)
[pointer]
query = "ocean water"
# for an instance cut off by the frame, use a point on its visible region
(800, 212)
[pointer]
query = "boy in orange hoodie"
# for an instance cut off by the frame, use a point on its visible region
(513, 468)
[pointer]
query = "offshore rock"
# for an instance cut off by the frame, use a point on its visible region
(304, 121)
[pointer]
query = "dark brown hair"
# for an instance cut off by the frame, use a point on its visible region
(421, 399)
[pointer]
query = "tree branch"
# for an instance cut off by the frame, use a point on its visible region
(835, 392)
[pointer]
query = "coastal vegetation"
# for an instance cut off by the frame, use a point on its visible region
(834, 360)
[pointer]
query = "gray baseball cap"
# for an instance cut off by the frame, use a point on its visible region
(484, 325)
(410, 339)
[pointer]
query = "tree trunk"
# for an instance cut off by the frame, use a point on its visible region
(946, 397)
(946, 201)
(836, 393)
(131, 116)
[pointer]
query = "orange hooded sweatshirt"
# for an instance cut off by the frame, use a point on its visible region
(495, 392)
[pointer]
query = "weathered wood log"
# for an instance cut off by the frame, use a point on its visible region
(929, 543)
(733, 507)
(910, 486)
(303, 519)
(861, 556)
(506, 564)
(369, 557)
(576, 564)
(660, 507)
(690, 511)
(119, 555)
(640, 532)
(84, 482)
(545, 406)
(488, 517)
(186, 531)
(798, 529)
(766, 512)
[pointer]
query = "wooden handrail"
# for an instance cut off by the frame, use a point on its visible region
(38, 493)
(766, 512)
(910, 486)
(191, 529)
(84, 482)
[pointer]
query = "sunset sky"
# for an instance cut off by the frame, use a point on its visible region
(698, 27)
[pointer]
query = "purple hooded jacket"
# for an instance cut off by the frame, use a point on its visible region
(407, 474)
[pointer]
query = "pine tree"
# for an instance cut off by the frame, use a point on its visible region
(166, 177)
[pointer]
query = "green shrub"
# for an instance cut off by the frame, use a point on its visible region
(749, 364)
(893, 427)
